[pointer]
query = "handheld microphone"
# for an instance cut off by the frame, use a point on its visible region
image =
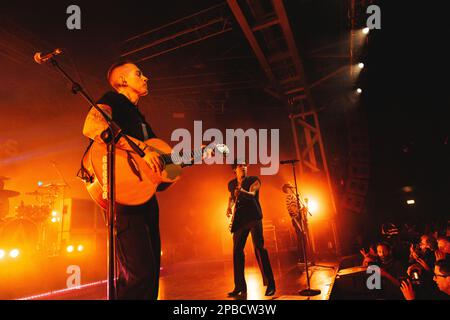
(289, 161)
(41, 58)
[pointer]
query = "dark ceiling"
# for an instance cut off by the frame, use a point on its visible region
(406, 98)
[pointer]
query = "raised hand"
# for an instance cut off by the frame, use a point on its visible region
(423, 264)
(439, 255)
(413, 252)
(367, 257)
(364, 253)
(407, 290)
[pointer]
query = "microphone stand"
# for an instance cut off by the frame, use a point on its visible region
(313, 260)
(308, 291)
(110, 137)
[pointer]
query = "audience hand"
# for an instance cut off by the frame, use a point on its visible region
(413, 252)
(423, 264)
(407, 290)
(364, 253)
(439, 255)
(367, 257)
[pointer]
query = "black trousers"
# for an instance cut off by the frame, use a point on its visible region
(138, 251)
(239, 239)
(300, 239)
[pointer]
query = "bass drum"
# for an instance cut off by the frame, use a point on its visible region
(22, 234)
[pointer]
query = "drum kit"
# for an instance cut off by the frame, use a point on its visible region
(30, 227)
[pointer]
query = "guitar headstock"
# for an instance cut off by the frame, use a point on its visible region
(208, 151)
(223, 148)
(212, 147)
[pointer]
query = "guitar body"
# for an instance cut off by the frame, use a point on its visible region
(135, 182)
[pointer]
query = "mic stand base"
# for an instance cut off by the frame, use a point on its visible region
(309, 292)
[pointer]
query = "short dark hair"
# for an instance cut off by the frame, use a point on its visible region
(116, 65)
(385, 244)
(237, 162)
(430, 241)
(444, 265)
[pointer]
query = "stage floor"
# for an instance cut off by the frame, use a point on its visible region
(211, 280)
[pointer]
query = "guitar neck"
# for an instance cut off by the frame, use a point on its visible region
(169, 158)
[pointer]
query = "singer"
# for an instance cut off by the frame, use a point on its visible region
(138, 240)
(244, 193)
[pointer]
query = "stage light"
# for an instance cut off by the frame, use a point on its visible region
(365, 30)
(14, 253)
(80, 248)
(54, 213)
(161, 253)
(407, 189)
(70, 249)
(410, 202)
(53, 220)
(2, 254)
(313, 206)
(40, 183)
(253, 287)
(361, 65)
(359, 90)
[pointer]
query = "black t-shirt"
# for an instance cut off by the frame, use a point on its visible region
(132, 122)
(127, 116)
(248, 208)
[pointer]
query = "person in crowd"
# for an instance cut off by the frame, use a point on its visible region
(424, 256)
(391, 268)
(442, 279)
(443, 251)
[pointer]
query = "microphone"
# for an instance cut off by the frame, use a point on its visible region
(41, 58)
(289, 161)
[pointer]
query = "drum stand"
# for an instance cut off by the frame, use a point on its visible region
(110, 137)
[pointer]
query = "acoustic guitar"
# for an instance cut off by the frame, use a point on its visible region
(135, 181)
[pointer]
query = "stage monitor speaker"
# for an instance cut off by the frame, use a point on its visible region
(351, 284)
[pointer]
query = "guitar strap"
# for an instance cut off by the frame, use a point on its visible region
(133, 165)
(144, 130)
(83, 173)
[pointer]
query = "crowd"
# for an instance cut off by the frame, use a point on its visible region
(416, 269)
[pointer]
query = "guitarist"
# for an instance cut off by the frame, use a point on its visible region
(138, 239)
(247, 218)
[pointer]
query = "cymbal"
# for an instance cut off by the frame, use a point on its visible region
(8, 193)
(50, 185)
